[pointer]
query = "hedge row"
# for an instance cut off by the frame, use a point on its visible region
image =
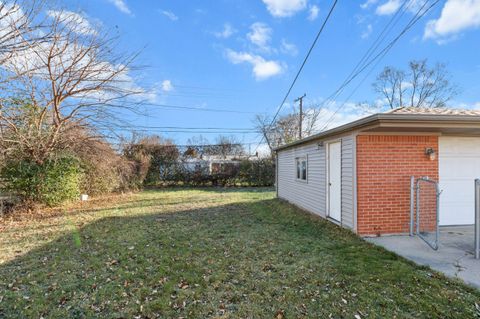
(246, 173)
(63, 178)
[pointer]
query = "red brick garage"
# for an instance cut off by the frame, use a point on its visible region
(385, 164)
(358, 175)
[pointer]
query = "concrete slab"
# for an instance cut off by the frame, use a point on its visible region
(454, 257)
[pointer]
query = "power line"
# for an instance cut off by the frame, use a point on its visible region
(373, 47)
(195, 87)
(197, 95)
(193, 131)
(392, 22)
(305, 60)
(183, 128)
(303, 64)
(196, 108)
(382, 54)
(193, 145)
(179, 129)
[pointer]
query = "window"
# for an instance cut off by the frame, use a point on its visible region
(302, 168)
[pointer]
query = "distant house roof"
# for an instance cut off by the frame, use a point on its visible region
(407, 119)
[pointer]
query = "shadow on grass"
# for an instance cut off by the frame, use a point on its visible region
(243, 260)
(211, 189)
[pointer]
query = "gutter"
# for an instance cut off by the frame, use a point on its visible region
(385, 117)
(337, 130)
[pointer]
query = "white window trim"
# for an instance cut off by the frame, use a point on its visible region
(297, 159)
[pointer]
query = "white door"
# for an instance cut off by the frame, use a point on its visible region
(459, 166)
(335, 180)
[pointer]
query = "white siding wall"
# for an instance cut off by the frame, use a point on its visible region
(311, 195)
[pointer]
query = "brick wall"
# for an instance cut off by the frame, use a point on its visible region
(384, 166)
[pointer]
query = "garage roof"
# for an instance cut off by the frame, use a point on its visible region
(411, 119)
(434, 111)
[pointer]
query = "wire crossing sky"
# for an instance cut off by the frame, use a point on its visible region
(216, 64)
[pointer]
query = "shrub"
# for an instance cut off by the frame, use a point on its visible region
(99, 178)
(139, 162)
(162, 155)
(246, 173)
(257, 173)
(52, 182)
(199, 176)
(102, 166)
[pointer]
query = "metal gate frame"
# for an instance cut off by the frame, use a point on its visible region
(415, 201)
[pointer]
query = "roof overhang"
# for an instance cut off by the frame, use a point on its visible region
(385, 122)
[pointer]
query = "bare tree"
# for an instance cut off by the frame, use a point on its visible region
(225, 146)
(73, 79)
(420, 86)
(196, 147)
(286, 128)
(18, 28)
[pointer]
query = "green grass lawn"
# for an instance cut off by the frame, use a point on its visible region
(209, 254)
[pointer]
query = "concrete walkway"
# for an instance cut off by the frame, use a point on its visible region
(454, 256)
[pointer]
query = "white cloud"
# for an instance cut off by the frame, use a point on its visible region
(167, 86)
(456, 16)
(284, 8)
(366, 34)
(349, 112)
(169, 14)
(289, 48)
(389, 7)
(313, 12)
(262, 69)
(368, 3)
(82, 25)
(226, 33)
(260, 35)
(121, 5)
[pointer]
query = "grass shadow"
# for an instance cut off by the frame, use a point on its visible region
(255, 259)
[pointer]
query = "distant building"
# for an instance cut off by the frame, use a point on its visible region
(213, 164)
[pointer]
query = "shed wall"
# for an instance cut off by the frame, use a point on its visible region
(311, 195)
(308, 195)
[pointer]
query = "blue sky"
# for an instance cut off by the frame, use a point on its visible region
(243, 55)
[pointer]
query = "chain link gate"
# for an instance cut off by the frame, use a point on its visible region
(425, 209)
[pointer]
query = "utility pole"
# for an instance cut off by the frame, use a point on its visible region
(300, 99)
